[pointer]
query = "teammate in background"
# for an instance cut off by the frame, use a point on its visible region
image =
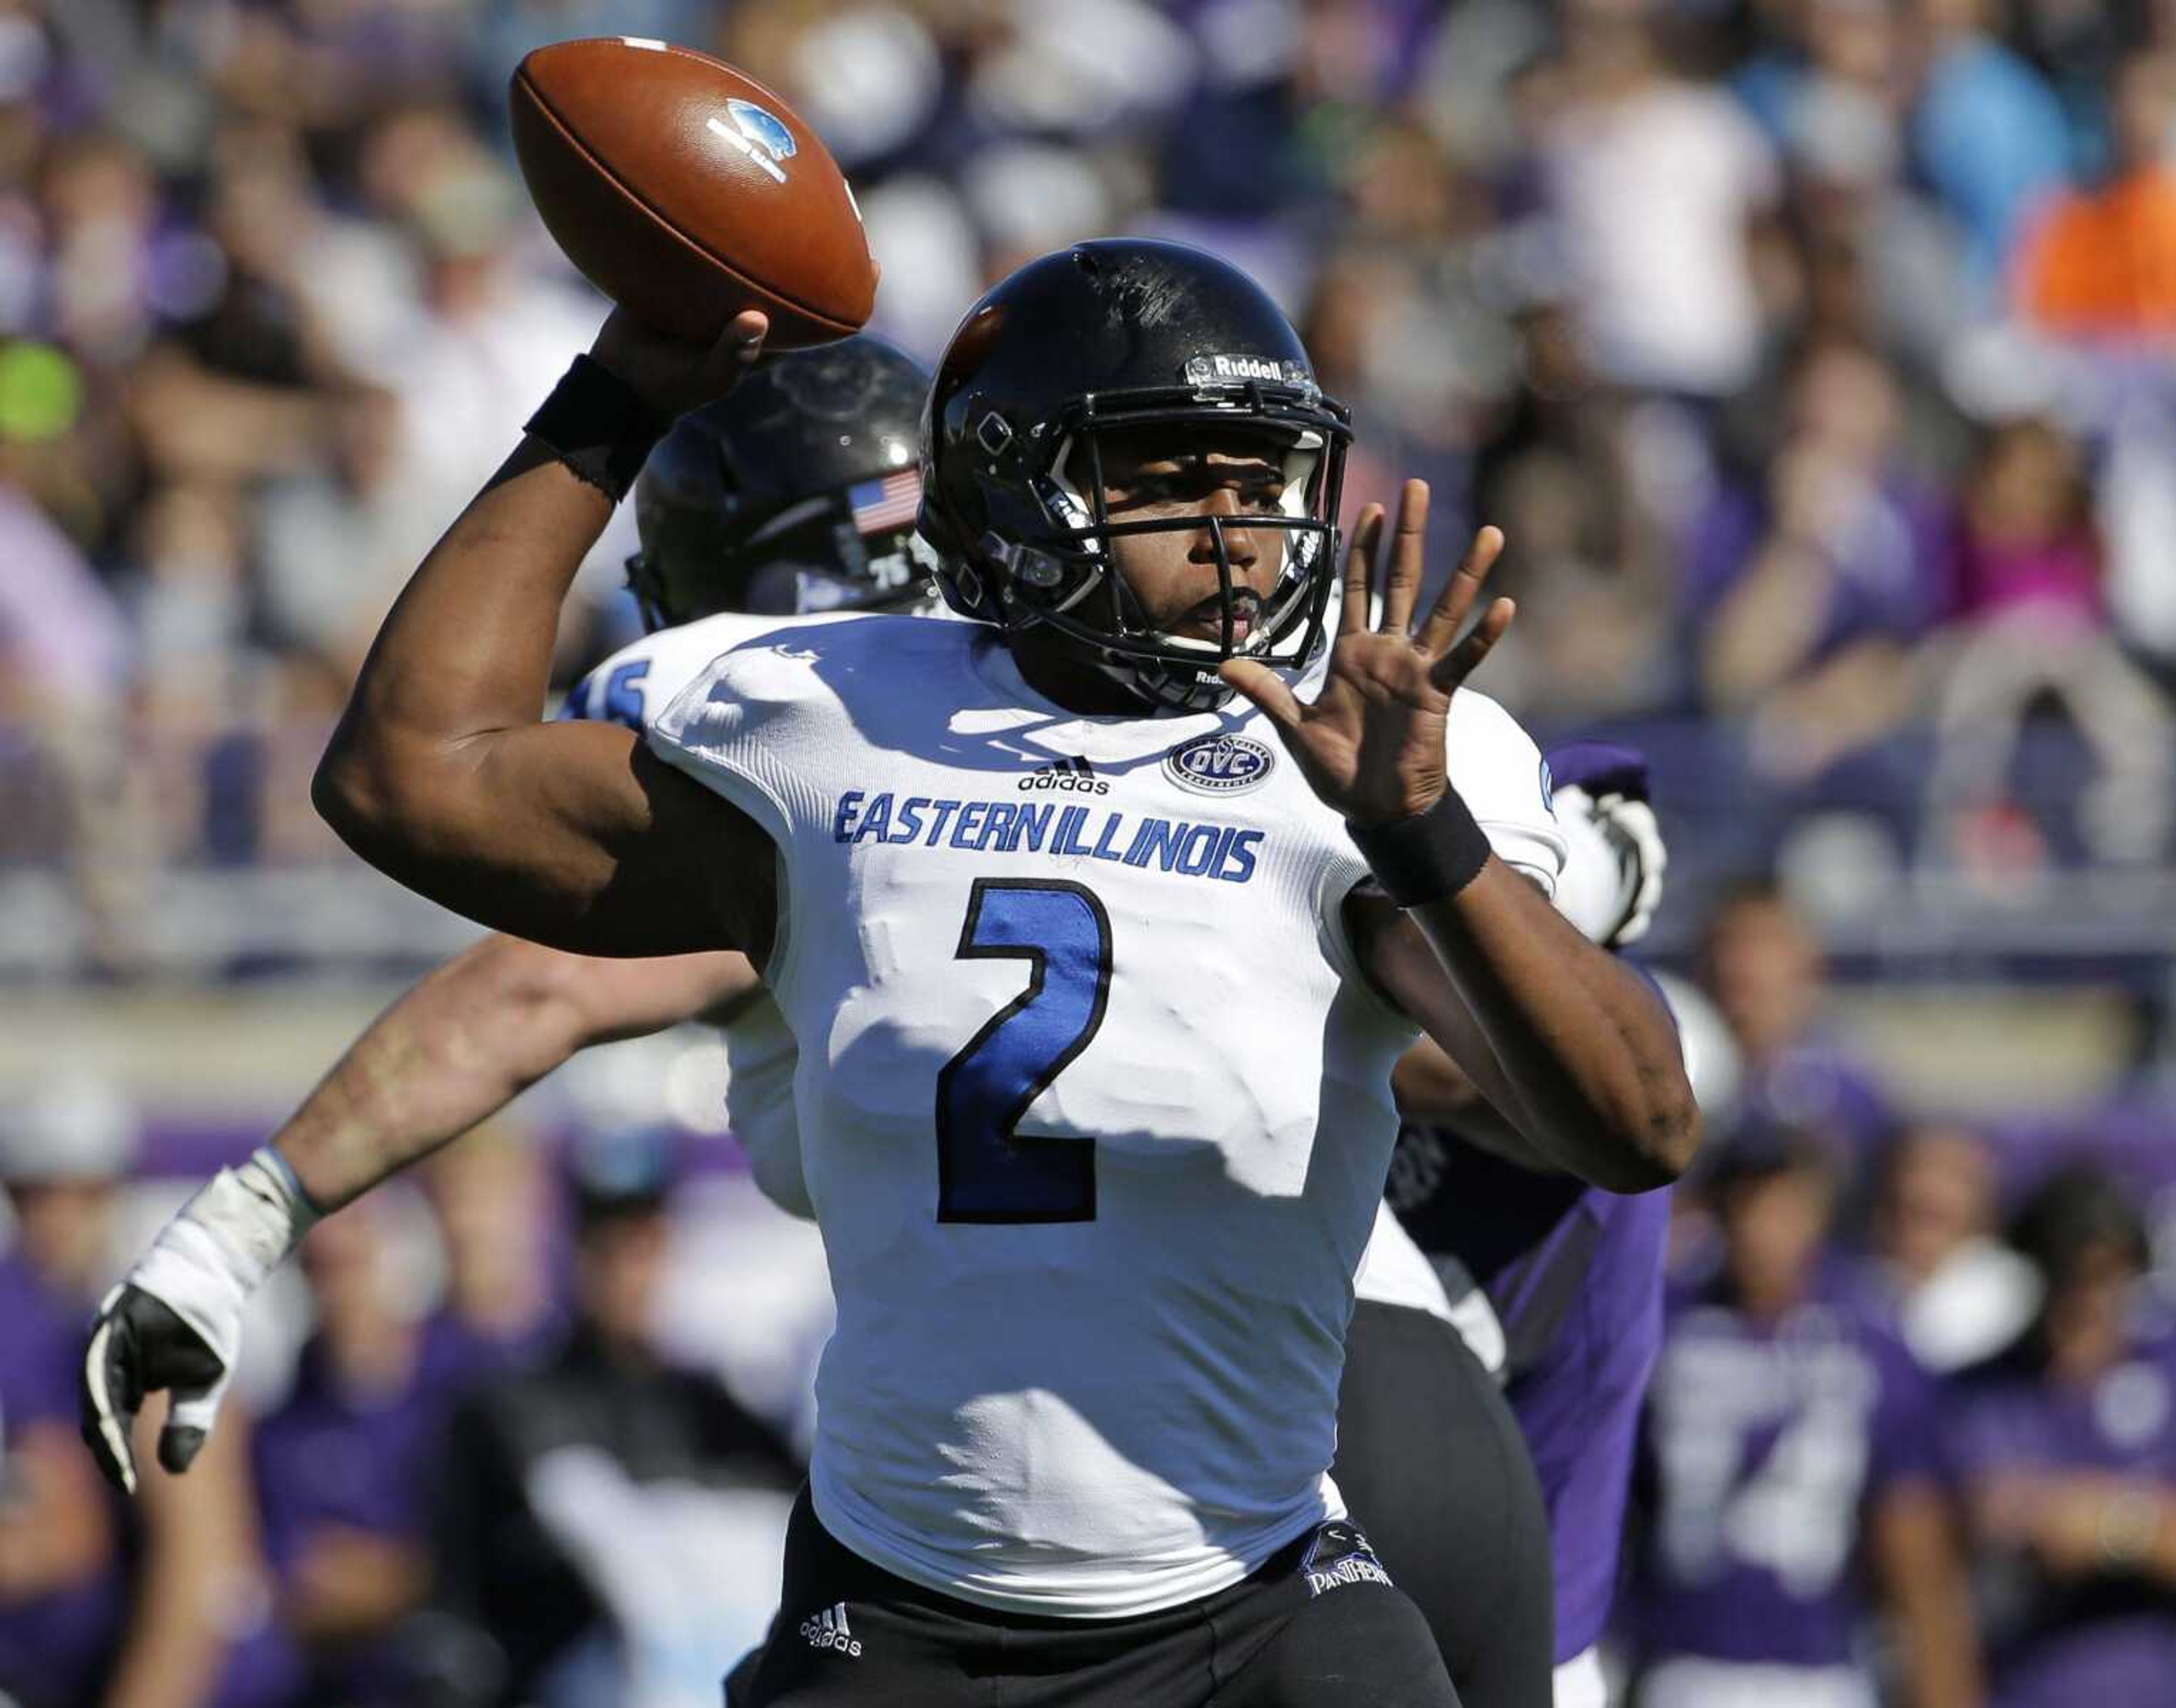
(1961, 1294)
(1558, 1289)
(2066, 1446)
(793, 494)
(1181, 1225)
(1795, 1488)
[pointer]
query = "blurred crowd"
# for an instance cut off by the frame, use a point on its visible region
(523, 1430)
(1815, 356)
(466, 1460)
(1911, 1436)
(1812, 354)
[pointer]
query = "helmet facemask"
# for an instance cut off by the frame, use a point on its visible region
(1064, 576)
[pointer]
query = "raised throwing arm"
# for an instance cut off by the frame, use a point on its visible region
(441, 773)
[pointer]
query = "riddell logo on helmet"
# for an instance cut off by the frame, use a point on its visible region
(1225, 370)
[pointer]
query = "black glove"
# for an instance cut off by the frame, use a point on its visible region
(137, 1346)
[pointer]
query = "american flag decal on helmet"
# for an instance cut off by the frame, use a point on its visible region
(887, 503)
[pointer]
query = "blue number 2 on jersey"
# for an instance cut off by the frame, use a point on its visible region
(986, 1172)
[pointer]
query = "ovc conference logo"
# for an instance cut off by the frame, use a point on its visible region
(1220, 765)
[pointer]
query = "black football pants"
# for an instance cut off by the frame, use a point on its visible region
(1317, 1627)
(1432, 1466)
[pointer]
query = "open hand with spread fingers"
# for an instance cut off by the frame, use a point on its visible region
(1371, 744)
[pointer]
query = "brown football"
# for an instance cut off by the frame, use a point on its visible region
(686, 192)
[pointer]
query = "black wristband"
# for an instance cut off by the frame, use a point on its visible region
(1428, 857)
(599, 426)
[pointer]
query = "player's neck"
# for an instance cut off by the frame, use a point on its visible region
(1067, 681)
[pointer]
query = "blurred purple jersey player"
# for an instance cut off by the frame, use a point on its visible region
(2066, 1446)
(1573, 1275)
(1792, 1462)
(1763, 964)
(101, 1602)
(1583, 1317)
(1575, 1278)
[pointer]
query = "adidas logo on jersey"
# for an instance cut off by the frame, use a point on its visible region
(828, 1631)
(1075, 776)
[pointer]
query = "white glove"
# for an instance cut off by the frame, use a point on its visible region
(174, 1321)
(1613, 876)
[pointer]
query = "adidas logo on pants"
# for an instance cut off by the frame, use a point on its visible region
(828, 1631)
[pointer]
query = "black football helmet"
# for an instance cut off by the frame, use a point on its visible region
(796, 492)
(1103, 337)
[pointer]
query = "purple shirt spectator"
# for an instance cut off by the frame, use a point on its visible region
(1820, 1086)
(1762, 964)
(1766, 1443)
(1883, 548)
(2056, 1642)
(54, 1647)
(334, 1456)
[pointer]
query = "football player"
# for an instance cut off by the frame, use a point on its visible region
(1565, 1282)
(1062, 1065)
(789, 495)
(790, 499)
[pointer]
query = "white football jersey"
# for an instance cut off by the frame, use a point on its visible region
(1075, 1003)
(631, 688)
(1394, 1271)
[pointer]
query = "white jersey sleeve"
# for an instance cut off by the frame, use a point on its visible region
(637, 682)
(1499, 773)
(632, 687)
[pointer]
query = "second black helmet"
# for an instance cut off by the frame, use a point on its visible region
(796, 491)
